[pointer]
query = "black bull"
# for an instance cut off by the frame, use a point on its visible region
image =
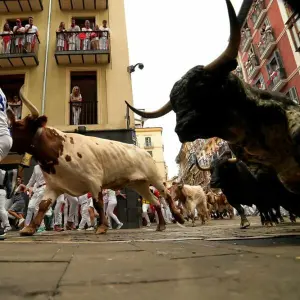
(243, 187)
(263, 126)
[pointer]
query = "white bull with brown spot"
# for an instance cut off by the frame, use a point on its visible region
(191, 198)
(76, 164)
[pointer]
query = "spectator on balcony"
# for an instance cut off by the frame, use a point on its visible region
(86, 40)
(31, 33)
(6, 36)
(74, 42)
(95, 38)
(76, 103)
(105, 34)
(61, 37)
(19, 32)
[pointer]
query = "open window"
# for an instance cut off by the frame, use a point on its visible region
(293, 95)
(148, 141)
(81, 20)
(260, 83)
(11, 85)
(12, 22)
(275, 68)
(86, 111)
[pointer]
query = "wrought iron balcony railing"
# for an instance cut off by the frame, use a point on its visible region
(83, 113)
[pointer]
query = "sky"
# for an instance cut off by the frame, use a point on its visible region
(169, 37)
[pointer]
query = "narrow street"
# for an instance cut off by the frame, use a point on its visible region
(213, 261)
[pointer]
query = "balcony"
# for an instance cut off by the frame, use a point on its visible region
(20, 6)
(84, 113)
(277, 80)
(82, 48)
(19, 50)
(252, 66)
(148, 145)
(246, 39)
(259, 13)
(266, 44)
(83, 4)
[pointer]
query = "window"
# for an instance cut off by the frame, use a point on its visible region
(150, 152)
(293, 95)
(260, 83)
(85, 112)
(11, 84)
(81, 20)
(294, 28)
(275, 68)
(12, 22)
(148, 141)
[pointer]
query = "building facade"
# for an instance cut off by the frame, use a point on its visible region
(150, 139)
(52, 63)
(269, 56)
(69, 48)
(201, 151)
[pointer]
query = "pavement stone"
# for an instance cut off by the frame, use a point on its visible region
(214, 261)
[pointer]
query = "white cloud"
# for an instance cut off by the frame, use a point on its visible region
(169, 37)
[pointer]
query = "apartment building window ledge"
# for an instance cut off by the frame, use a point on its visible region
(84, 49)
(83, 4)
(19, 6)
(19, 56)
(267, 44)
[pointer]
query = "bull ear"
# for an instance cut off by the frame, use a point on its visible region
(11, 116)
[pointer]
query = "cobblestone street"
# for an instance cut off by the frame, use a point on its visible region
(211, 261)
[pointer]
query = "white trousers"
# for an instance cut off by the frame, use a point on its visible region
(72, 203)
(145, 215)
(57, 210)
(85, 216)
(34, 202)
(76, 114)
(110, 212)
(5, 145)
(3, 211)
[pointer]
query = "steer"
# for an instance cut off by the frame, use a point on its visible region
(191, 197)
(263, 124)
(76, 164)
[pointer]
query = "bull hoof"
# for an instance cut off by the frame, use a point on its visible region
(102, 229)
(245, 225)
(161, 227)
(269, 224)
(194, 225)
(27, 231)
(179, 218)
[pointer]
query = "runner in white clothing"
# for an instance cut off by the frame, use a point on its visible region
(84, 201)
(3, 211)
(111, 204)
(5, 138)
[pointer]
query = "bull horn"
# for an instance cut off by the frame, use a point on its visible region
(154, 114)
(231, 51)
(232, 160)
(34, 111)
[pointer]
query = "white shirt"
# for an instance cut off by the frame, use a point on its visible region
(3, 117)
(84, 200)
(105, 34)
(36, 177)
(33, 29)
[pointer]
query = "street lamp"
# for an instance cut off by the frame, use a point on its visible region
(131, 68)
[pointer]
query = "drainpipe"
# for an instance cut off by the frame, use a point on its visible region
(46, 58)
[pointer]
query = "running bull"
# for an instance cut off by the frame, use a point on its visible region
(242, 186)
(191, 198)
(76, 164)
(264, 125)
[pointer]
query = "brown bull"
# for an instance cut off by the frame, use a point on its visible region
(219, 203)
(76, 164)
